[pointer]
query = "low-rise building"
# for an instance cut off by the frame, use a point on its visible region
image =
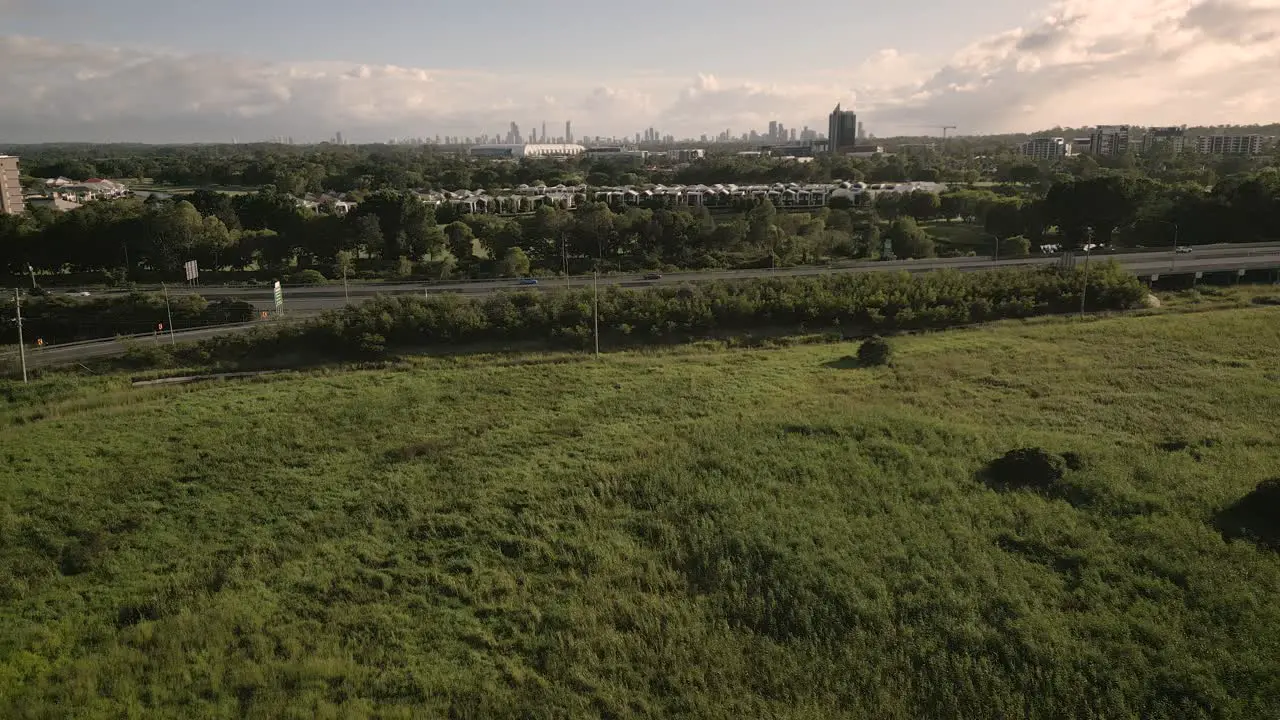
(688, 154)
(1045, 148)
(863, 150)
(1229, 144)
(616, 152)
(10, 186)
(523, 150)
(53, 202)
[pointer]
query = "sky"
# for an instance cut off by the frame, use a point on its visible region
(136, 70)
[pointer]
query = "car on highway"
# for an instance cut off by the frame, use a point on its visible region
(78, 293)
(528, 281)
(653, 276)
(1183, 249)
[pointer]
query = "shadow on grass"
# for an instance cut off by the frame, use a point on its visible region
(1254, 517)
(848, 362)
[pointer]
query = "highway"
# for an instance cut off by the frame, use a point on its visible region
(301, 302)
(315, 299)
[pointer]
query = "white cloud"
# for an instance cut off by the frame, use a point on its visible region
(1085, 62)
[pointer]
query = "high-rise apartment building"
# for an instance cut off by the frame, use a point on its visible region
(842, 130)
(1174, 138)
(1110, 140)
(568, 131)
(10, 186)
(1045, 148)
(1229, 144)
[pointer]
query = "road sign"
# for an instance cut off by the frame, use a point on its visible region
(1199, 275)
(279, 293)
(1155, 278)
(192, 270)
(1240, 272)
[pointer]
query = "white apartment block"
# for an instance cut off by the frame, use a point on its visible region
(1229, 144)
(10, 186)
(1045, 148)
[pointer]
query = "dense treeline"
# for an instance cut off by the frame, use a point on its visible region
(57, 319)
(847, 303)
(317, 168)
(397, 233)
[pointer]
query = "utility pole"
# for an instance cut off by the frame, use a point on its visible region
(596, 312)
(1084, 285)
(22, 348)
(564, 260)
(169, 311)
(346, 296)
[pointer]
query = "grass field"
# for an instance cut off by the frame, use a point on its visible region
(696, 532)
(960, 236)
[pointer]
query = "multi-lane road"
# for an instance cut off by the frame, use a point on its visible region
(303, 301)
(1205, 258)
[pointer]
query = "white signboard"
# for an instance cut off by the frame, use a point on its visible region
(192, 270)
(279, 298)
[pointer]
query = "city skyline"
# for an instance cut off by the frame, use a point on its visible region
(142, 76)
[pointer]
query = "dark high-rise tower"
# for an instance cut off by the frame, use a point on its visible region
(842, 130)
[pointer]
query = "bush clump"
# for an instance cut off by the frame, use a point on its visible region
(1255, 516)
(874, 351)
(1034, 469)
(308, 277)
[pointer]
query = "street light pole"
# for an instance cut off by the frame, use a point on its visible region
(1084, 285)
(22, 348)
(169, 311)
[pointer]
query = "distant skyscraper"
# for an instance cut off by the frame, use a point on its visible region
(862, 133)
(842, 130)
(338, 138)
(568, 131)
(773, 129)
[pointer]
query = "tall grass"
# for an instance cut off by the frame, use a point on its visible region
(662, 534)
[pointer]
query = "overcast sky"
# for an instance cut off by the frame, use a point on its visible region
(135, 70)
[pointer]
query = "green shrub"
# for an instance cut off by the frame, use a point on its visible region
(1033, 469)
(308, 277)
(874, 351)
(861, 303)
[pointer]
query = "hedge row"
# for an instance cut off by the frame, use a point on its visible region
(60, 319)
(850, 303)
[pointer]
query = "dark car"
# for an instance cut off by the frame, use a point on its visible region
(528, 281)
(653, 276)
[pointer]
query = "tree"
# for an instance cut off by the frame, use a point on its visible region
(343, 263)
(1100, 205)
(760, 221)
(368, 234)
(215, 241)
(923, 205)
(909, 241)
(461, 241)
(514, 263)
(1016, 246)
